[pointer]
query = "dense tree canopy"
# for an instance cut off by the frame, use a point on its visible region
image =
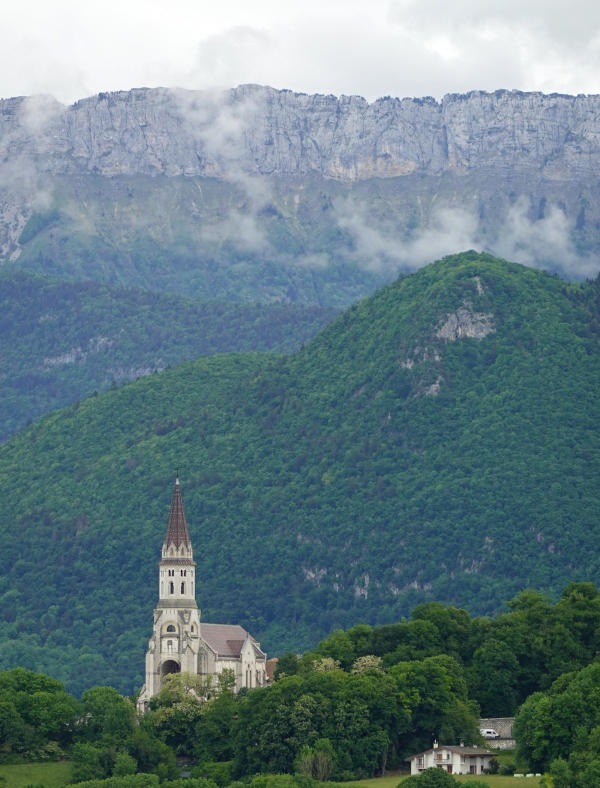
(61, 341)
(393, 461)
(564, 721)
(342, 711)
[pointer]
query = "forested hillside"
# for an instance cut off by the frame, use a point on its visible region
(438, 440)
(60, 341)
(356, 705)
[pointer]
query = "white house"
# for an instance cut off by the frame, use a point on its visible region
(180, 640)
(453, 759)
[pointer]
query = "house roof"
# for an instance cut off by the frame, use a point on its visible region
(464, 751)
(227, 640)
(272, 667)
(177, 530)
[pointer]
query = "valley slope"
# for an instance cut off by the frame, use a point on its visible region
(61, 341)
(439, 440)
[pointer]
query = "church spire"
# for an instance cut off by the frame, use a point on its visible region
(177, 530)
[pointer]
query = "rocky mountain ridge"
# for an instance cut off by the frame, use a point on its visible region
(256, 194)
(262, 131)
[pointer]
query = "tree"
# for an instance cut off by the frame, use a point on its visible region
(430, 778)
(494, 677)
(86, 763)
(339, 647)
(560, 775)
(213, 732)
(436, 694)
(561, 721)
(452, 623)
(152, 754)
(287, 665)
(109, 716)
(179, 706)
(124, 764)
(34, 710)
(367, 662)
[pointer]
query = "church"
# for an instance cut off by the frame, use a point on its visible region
(180, 640)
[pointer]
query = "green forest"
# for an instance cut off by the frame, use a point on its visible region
(438, 441)
(63, 340)
(355, 706)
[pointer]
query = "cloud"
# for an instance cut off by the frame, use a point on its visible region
(542, 243)
(566, 23)
(379, 245)
(239, 229)
(316, 260)
(28, 189)
(219, 121)
(232, 56)
(548, 45)
(395, 47)
(37, 113)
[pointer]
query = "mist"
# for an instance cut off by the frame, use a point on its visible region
(545, 243)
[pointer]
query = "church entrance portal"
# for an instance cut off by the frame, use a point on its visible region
(170, 666)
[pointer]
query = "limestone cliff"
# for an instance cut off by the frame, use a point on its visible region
(260, 194)
(259, 130)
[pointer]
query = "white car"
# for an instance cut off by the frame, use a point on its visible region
(489, 733)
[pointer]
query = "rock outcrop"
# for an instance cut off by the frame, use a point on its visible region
(269, 195)
(259, 130)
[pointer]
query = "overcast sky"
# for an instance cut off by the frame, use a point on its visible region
(75, 48)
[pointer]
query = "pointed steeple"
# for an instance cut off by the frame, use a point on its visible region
(177, 530)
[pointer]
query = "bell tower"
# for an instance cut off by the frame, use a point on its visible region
(177, 565)
(174, 644)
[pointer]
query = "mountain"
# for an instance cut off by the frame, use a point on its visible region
(61, 341)
(438, 441)
(257, 194)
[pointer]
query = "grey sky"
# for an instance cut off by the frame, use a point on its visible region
(73, 49)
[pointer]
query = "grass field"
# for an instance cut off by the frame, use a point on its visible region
(51, 775)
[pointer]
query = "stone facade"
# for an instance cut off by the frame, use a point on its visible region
(503, 727)
(180, 641)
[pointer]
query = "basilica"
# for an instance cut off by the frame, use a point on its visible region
(180, 640)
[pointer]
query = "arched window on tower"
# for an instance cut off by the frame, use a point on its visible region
(183, 588)
(171, 588)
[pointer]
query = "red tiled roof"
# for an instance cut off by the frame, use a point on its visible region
(177, 531)
(272, 667)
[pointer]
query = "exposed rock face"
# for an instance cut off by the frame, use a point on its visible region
(265, 195)
(466, 323)
(259, 130)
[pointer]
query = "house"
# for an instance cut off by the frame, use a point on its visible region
(454, 759)
(180, 640)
